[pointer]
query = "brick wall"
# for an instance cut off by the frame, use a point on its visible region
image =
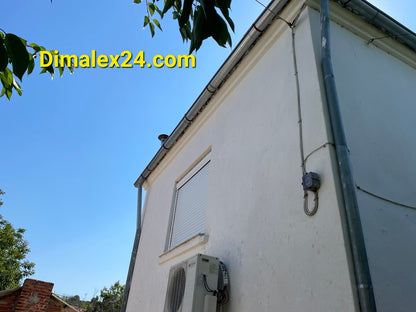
(7, 302)
(34, 296)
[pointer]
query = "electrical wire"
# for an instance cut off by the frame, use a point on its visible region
(223, 282)
(274, 14)
(207, 288)
(312, 212)
(308, 212)
(225, 297)
(384, 199)
(317, 149)
(371, 40)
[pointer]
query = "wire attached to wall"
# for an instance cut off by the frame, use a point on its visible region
(274, 14)
(303, 158)
(371, 40)
(317, 149)
(223, 296)
(384, 199)
(306, 190)
(312, 212)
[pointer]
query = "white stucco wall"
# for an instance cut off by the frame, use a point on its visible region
(278, 258)
(377, 96)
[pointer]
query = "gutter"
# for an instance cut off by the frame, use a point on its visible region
(248, 40)
(362, 275)
(362, 8)
(382, 21)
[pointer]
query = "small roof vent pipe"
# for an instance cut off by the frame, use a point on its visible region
(162, 138)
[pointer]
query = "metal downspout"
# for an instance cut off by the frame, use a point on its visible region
(135, 247)
(358, 251)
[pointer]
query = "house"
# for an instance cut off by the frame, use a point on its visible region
(33, 296)
(291, 104)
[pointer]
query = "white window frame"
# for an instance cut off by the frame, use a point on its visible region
(180, 182)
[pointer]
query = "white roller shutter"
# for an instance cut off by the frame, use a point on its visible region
(190, 206)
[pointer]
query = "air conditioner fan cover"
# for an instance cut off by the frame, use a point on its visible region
(176, 290)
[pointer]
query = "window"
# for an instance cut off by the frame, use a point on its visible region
(190, 201)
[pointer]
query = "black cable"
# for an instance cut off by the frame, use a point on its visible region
(207, 288)
(383, 198)
(226, 297)
(222, 297)
(223, 282)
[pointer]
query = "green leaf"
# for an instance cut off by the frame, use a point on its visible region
(183, 33)
(49, 69)
(220, 32)
(158, 11)
(177, 4)
(156, 22)
(17, 54)
(152, 8)
(17, 87)
(224, 6)
(3, 91)
(168, 5)
(9, 93)
(137, 1)
(23, 41)
(152, 29)
(208, 23)
(188, 30)
(35, 47)
(6, 78)
(146, 21)
(223, 3)
(186, 11)
(31, 65)
(205, 4)
(61, 71)
(199, 30)
(3, 55)
(176, 15)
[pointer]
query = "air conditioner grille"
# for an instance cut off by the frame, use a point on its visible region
(176, 290)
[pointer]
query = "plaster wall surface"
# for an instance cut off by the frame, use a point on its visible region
(278, 258)
(377, 98)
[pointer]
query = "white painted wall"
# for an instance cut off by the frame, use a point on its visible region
(278, 258)
(377, 96)
(379, 117)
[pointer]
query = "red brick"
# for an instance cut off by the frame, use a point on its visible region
(33, 296)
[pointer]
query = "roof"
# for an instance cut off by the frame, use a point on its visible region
(361, 8)
(5, 293)
(65, 307)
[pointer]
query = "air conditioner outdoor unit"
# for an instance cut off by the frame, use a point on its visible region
(192, 285)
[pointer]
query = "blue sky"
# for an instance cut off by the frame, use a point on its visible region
(72, 147)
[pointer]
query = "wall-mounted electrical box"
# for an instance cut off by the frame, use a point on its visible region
(311, 182)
